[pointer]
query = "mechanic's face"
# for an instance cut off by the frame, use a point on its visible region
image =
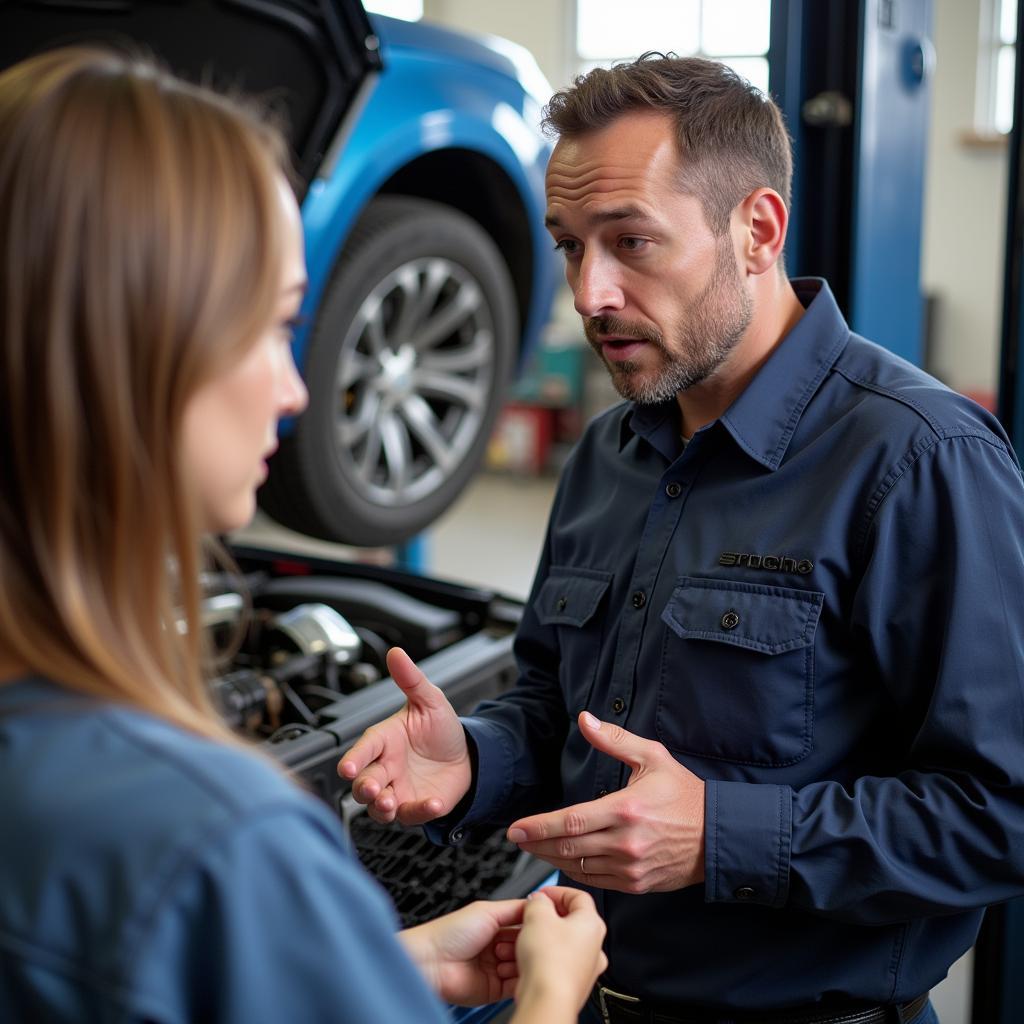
(230, 424)
(660, 294)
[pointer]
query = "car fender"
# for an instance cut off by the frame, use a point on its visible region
(422, 104)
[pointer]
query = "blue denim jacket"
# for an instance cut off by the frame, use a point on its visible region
(817, 606)
(152, 875)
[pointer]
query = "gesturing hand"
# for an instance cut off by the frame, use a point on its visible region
(648, 837)
(414, 765)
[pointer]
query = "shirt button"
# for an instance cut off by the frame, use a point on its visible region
(639, 599)
(618, 705)
(562, 602)
(456, 835)
(730, 620)
(603, 792)
(744, 892)
(673, 490)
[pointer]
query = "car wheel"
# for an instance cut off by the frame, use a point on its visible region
(406, 370)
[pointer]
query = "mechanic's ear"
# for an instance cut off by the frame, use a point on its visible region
(762, 220)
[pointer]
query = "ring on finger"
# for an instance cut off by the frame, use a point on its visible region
(583, 865)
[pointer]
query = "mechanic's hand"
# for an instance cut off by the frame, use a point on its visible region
(415, 765)
(648, 837)
(468, 956)
(558, 955)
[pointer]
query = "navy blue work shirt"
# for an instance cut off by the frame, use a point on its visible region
(817, 606)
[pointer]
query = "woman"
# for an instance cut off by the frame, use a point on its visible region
(151, 261)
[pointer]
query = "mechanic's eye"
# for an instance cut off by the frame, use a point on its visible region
(567, 246)
(632, 243)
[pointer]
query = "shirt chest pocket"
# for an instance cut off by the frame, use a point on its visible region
(570, 601)
(737, 671)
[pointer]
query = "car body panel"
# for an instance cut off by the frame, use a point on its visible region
(456, 95)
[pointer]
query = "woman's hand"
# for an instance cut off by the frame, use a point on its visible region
(544, 951)
(558, 955)
(468, 956)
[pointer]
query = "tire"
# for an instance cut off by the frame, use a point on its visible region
(406, 369)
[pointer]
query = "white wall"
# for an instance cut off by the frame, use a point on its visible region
(965, 210)
(544, 27)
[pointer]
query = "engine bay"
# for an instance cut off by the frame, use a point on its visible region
(301, 643)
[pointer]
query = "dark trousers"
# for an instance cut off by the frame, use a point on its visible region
(927, 1015)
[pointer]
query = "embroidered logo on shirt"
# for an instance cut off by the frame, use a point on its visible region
(773, 563)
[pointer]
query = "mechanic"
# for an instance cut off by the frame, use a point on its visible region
(155, 868)
(770, 705)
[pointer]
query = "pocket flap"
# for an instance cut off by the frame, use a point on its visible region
(762, 618)
(569, 597)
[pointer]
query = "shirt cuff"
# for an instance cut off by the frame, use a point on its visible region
(748, 834)
(492, 780)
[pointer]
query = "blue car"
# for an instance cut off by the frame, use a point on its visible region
(430, 275)
(420, 166)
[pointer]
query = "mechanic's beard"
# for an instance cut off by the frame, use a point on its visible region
(703, 339)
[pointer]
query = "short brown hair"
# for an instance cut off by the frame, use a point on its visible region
(731, 137)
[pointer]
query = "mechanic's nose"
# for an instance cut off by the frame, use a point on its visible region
(596, 290)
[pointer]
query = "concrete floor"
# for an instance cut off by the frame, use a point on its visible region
(492, 537)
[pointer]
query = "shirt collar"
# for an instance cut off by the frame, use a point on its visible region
(764, 417)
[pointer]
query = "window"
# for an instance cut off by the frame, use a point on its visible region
(732, 31)
(996, 62)
(407, 10)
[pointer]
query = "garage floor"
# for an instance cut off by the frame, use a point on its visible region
(492, 537)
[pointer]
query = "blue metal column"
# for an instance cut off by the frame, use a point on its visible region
(892, 111)
(852, 81)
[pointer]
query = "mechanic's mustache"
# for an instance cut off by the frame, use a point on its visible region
(596, 327)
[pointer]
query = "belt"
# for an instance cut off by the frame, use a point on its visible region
(619, 1008)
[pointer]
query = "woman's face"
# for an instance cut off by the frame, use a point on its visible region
(230, 427)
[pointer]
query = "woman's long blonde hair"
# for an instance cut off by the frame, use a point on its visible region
(139, 255)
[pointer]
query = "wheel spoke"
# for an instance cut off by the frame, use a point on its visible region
(366, 466)
(407, 282)
(460, 360)
(417, 299)
(451, 388)
(424, 425)
(372, 326)
(354, 367)
(397, 452)
(350, 430)
(442, 323)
